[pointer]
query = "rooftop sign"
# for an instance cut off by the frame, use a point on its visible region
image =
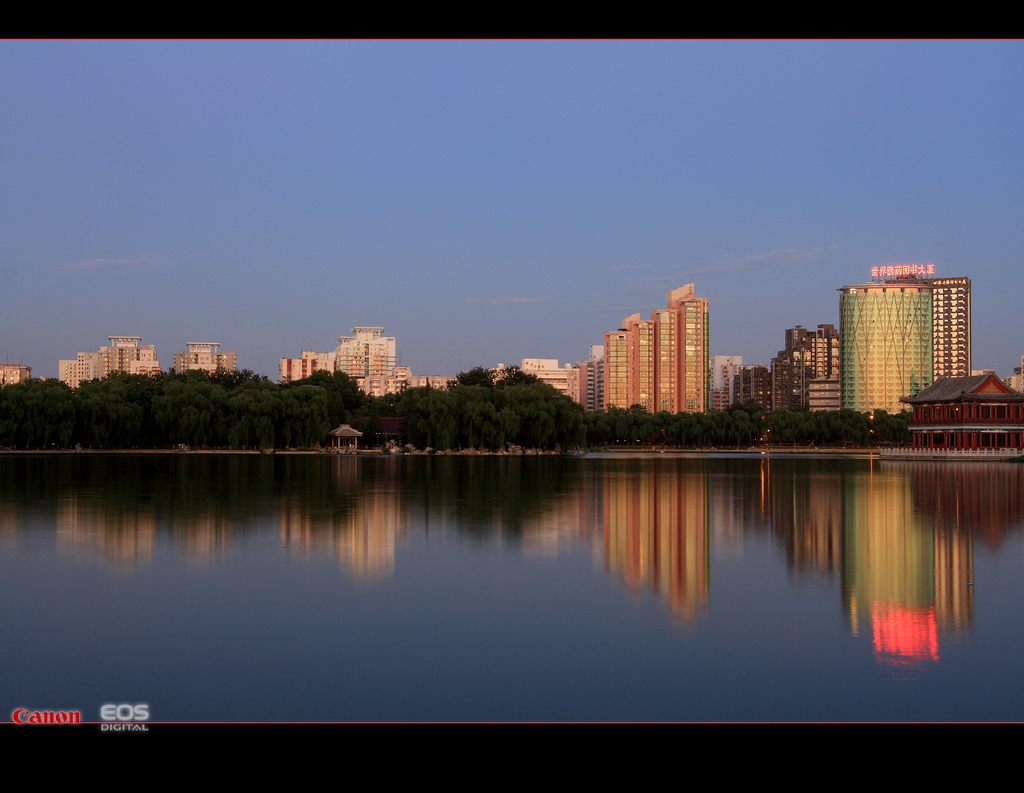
(901, 270)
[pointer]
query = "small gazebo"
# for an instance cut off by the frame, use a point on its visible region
(344, 438)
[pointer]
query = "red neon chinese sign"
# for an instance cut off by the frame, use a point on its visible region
(900, 270)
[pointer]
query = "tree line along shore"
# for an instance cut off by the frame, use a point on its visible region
(479, 410)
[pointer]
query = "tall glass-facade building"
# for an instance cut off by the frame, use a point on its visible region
(886, 343)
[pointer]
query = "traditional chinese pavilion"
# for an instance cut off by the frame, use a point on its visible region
(344, 438)
(967, 414)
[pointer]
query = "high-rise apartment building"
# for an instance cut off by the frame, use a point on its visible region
(649, 374)
(951, 327)
(590, 380)
(753, 384)
(367, 357)
(890, 314)
(661, 363)
(809, 355)
(124, 354)
(724, 370)
(886, 342)
(692, 336)
(621, 386)
(631, 359)
(205, 356)
(572, 374)
(366, 353)
(824, 393)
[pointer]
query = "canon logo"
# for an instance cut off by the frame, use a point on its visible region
(26, 716)
(124, 712)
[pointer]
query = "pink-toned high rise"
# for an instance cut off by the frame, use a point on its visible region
(661, 363)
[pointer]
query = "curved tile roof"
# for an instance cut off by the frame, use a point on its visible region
(977, 387)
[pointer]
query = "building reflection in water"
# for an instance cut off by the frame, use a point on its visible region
(575, 517)
(564, 524)
(984, 498)
(204, 537)
(963, 501)
(655, 530)
(8, 526)
(359, 524)
(899, 534)
(907, 573)
(735, 507)
(803, 500)
(122, 539)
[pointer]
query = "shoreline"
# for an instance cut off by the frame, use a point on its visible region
(766, 452)
(822, 451)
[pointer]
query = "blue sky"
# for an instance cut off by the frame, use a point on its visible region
(489, 201)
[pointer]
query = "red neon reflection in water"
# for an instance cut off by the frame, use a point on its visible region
(905, 636)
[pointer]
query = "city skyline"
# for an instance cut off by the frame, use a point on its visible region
(956, 291)
(494, 201)
(807, 374)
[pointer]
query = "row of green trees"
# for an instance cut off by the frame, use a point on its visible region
(478, 410)
(475, 416)
(744, 426)
(245, 410)
(122, 411)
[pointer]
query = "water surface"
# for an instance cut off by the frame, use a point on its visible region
(243, 587)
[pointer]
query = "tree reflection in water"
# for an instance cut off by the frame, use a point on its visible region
(898, 536)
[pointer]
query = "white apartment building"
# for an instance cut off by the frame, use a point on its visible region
(79, 370)
(548, 371)
(430, 381)
(402, 378)
(366, 353)
(309, 362)
(205, 356)
(124, 354)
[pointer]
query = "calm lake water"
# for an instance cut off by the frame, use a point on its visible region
(615, 587)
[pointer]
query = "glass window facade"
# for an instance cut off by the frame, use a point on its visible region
(886, 344)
